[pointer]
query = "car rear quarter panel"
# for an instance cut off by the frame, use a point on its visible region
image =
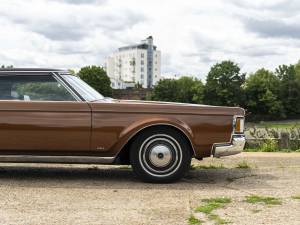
(115, 124)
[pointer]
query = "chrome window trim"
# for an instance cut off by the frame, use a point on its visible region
(62, 82)
(61, 76)
(57, 78)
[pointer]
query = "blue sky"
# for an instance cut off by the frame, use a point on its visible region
(192, 35)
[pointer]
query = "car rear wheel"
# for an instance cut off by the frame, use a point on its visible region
(160, 155)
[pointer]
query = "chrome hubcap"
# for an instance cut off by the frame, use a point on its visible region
(160, 155)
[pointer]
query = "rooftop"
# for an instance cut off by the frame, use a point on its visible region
(143, 45)
(137, 46)
(29, 70)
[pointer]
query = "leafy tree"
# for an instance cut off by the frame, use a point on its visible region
(165, 90)
(71, 71)
(190, 90)
(262, 91)
(96, 77)
(224, 85)
(185, 89)
(297, 69)
(289, 89)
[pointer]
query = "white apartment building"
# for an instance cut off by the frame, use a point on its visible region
(134, 64)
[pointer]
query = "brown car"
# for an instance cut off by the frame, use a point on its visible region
(51, 116)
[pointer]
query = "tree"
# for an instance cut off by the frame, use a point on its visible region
(71, 71)
(190, 90)
(289, 89)
(96, 77)
(297, 69)
(224, 85)
(185, 89)
(165, 90)
(262, 93)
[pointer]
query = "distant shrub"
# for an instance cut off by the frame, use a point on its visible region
(270, 145)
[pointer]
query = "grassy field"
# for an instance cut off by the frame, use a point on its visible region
(285, 124)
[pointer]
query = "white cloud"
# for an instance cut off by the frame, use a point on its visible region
(192, 35)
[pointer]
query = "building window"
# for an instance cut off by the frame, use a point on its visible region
(142, 69)
(142, 76)
(142, 55)
(142, 62)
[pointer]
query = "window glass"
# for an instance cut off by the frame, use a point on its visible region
(86, 91)
(33, 88)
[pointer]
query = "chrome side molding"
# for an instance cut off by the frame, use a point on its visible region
(56, 159)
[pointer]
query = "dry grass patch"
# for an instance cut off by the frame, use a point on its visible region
(210, 166)
(217, 219)
(256, 210)
(296, 197)
(243, 165)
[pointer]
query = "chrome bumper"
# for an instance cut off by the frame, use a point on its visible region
(224, 149)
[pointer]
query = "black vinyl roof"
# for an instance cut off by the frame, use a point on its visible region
(28, 70)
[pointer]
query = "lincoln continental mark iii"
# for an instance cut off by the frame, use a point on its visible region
(51, 116)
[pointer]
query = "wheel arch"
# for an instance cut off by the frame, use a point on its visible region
(123, 155)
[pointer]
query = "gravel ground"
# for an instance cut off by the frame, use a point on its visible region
(70, 194)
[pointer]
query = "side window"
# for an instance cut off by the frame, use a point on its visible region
(33, 88)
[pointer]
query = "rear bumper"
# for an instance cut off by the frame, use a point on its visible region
(224, 149)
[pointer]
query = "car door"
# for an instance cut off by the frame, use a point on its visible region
(39, 114)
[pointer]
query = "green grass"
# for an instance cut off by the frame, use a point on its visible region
(210, 166)
(243, 165)
(263, 199)
(212, 204)
(193, 220)
(296, 197)
(208, 208)
(269, 145)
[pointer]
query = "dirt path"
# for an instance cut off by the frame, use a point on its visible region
(56, 194)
